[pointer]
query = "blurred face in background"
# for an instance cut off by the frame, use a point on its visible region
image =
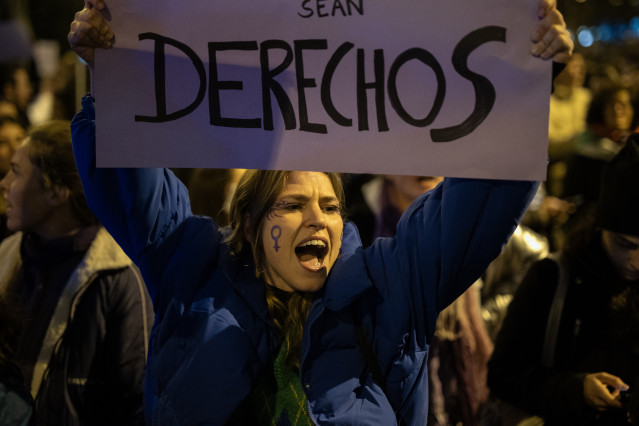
(574, 75)
(27, 199)
(619, 113)
(408, 187)
(8, 109)
(623, 251)
(11, 134)
(22, 88)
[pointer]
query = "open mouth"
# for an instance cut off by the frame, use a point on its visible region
(311, 254)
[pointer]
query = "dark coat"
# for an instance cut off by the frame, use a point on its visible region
(586, 341)
(93, 356)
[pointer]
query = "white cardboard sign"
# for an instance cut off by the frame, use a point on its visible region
(425, 87)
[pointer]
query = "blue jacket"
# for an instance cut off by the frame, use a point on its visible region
(212, 336)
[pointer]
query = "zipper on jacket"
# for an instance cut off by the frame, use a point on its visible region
(308, 401)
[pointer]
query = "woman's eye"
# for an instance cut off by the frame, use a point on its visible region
(332, 208)
(288, 206)
(285, 205)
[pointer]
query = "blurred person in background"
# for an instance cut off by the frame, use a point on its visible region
(11, 134)
(16, 404)
(569, 104)
(376, 202)
(211, 191)
(8, 109)
(86, 315)
(16, 87)
(569, 345)
(610, 120)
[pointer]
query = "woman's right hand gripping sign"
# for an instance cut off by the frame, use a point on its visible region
(90, 30)
(551, 39)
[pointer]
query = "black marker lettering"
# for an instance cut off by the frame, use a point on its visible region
(359, 7)
(270, 85)
(484, 90)
(294, 54)
(303, 82)
(215, 85)
(320, 7)
(325, 89)
(306, 8)
(159, 67)
(377, 84)
(337, 4)
(428, 59)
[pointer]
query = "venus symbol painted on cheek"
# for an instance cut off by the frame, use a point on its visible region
(276, 233)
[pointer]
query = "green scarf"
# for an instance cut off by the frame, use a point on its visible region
(278, 398)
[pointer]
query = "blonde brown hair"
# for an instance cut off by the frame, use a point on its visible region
(255, 195)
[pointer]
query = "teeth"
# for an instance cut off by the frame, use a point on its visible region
(318, 243)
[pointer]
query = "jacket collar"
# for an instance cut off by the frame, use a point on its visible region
(348, 278)
(10, 260)
(103, 254)
(240, 273)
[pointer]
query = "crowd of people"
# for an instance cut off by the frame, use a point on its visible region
(384, 299)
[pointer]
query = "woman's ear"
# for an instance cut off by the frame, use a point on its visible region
(59, 195)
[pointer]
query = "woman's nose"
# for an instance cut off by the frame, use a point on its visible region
(316, 217)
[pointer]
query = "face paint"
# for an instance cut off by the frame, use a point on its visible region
(276, 233)
(279, 206)
(301, 233)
